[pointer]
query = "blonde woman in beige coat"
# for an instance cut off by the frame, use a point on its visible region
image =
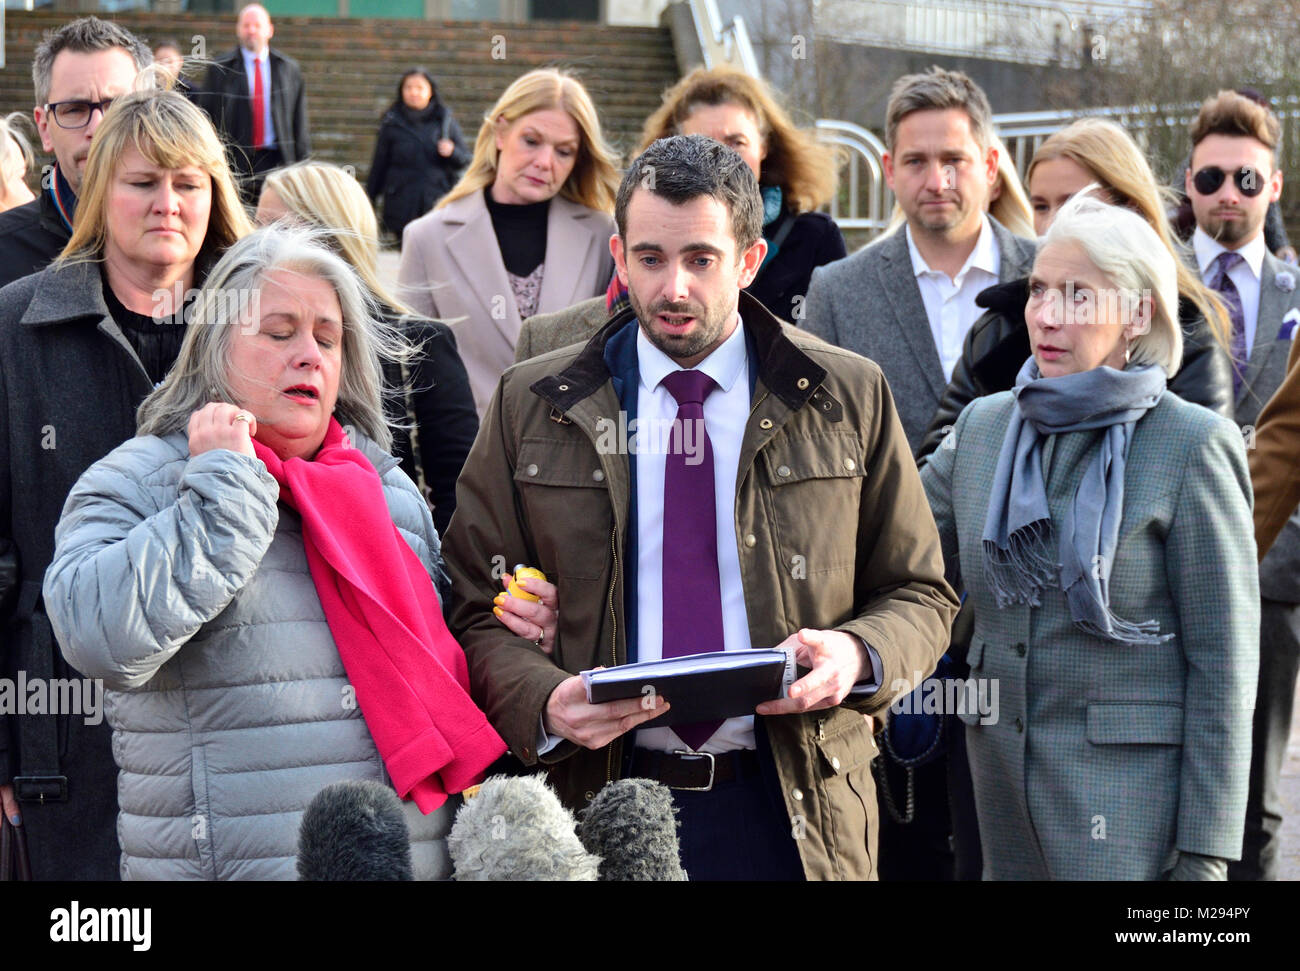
(525, 231)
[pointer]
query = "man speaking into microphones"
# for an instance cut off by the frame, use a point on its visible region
(800, 521)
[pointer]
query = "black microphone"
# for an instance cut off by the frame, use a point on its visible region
(514, 828)
(632, 826)
(354, 831)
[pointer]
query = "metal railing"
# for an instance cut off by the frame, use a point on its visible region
(863, 202)
(723, 43)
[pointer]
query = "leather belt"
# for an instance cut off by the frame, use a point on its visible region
(697, 771)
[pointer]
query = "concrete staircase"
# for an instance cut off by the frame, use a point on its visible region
(351, 67)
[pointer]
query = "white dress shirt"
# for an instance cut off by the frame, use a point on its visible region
(950, 302)
(1246, 275)
(265, 59)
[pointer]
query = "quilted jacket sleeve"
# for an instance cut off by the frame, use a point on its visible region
(143, 558)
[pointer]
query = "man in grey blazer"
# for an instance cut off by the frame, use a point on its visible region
(1231, 181)
(907, 301)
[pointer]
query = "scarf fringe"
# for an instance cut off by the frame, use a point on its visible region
(1140, 634)
(1019, 573)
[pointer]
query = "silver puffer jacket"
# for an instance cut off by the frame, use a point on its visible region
(184, 585)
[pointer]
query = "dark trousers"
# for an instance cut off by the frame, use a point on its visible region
(1279, 662)
(738, 831)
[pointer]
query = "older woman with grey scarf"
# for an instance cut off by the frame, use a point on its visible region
(1102, 528)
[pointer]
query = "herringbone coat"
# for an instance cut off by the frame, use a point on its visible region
(1103, 760)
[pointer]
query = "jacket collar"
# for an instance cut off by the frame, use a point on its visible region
(784, 369)
(66, 293)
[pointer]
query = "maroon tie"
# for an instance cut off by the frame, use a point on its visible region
(692, 590)
(259, 105)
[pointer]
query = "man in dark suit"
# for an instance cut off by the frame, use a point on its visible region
(1231, 181)
(255, 97)
(906, 302)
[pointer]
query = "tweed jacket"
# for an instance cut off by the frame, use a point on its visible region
(870, 303)
(183, 583)
(832, 531)
(452, 270)
(1275, 459)
(1103, 760)
(572, 325)
(1279, 570)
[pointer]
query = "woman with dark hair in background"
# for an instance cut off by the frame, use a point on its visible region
(419, 151)
(796, 172)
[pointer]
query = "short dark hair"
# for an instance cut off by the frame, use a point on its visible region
(83, 36)
(685, 167)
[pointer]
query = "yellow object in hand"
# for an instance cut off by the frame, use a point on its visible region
(522, 573)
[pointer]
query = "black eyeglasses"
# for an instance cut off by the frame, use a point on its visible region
(76, 114)
(1209, 179)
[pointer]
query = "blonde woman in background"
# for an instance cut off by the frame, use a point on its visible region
(432, 386)
(525, 231)
(16, 160)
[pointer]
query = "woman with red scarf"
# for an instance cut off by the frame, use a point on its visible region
(253, 578)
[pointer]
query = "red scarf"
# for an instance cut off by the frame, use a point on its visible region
(409, 674)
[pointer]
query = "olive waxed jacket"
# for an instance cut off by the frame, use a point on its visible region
(833, 529)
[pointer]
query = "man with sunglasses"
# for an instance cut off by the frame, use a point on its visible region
(78, 70)
(1231, 181)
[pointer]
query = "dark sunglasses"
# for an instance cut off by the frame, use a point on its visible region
(1209, 179)
(76, 114)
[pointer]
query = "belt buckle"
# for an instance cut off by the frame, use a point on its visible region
(40, 788)
(713, 765)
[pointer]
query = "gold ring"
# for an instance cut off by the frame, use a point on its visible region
(242, 416)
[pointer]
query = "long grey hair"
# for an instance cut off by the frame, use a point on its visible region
(228, 300)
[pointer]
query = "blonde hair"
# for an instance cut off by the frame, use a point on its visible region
(168, 130)
(16, 158)
(202, 370)
(1109, 155)
(1011, 207)
(329, 198)
(1130, 254)
(594, 179)
(805, 168)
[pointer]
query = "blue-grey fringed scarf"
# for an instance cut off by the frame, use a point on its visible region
(1018, 531)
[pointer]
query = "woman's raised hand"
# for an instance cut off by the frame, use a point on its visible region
(221, 425)
(534, 621)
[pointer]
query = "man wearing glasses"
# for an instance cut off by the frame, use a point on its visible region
(78, 70)
(1232, 178)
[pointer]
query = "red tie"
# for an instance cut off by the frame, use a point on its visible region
(259, 105)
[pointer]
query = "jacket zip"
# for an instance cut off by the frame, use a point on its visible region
(613, 640)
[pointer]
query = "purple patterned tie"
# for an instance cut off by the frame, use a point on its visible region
(692, 591)
(1222, 283)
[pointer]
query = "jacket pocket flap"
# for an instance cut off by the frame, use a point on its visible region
(848, 749)
(1135, 723)
(550, 462)
(829, 455)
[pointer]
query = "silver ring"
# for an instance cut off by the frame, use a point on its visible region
(540, 637)
(242, 416)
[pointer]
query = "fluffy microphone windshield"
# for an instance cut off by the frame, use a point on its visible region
(354, 831)
(514, 828)
(632, 825)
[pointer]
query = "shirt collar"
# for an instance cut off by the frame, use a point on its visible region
(1208, 249)
(725, 365)
(983, 257)
(250, 57)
